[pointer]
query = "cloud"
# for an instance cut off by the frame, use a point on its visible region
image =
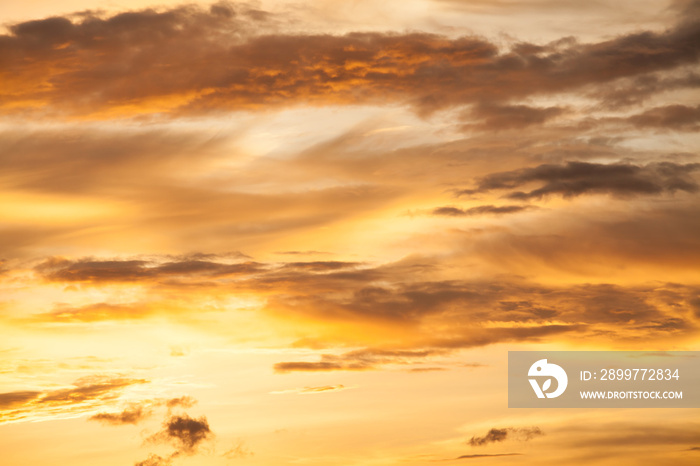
(83, 396)
(599, 244)
(137, 412)
(320, 366)
(312, 390)
(426, 369)
(449, 211)
(10, 399)
(695, 306)
(115, 271)
(151, 182)
(677, 117)
(142, 61)
(185, 433)
(73, 159)
(130, 415)
(499, 435)
(321, 266)
(154, 460)
(301, 253)
(578, 178)
(504, 117)
(633, 91)
(403, 298)
(467, 457)
(239, 450)
(95, 313)
(322, 389)
(494, 435)
(88, 389)
(428, 345)
(181, 402)
(356, 360)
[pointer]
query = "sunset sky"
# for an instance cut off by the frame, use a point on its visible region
(308, 233)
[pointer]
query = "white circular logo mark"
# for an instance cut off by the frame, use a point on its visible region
(542, 368)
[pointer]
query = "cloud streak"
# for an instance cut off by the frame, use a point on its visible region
(130, 415)
(84, 396)
(499, 435)
(312, 390)
(449, 211)
(579, 178)
(63, 270)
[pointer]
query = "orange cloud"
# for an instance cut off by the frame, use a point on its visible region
(190, 60)
(84, 396)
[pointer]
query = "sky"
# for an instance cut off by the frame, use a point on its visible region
(284, 233)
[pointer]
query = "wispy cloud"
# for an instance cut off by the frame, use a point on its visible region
(509, 433)
(578, 178)
(449, 211)
(130, 415)
(312, 390)
(85, 395)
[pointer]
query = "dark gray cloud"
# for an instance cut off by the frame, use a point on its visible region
(493, 435)
(499, 435)
(577, 178)
(183, 432)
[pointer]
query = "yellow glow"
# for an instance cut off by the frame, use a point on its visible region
(226, 207)
(22, 207)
